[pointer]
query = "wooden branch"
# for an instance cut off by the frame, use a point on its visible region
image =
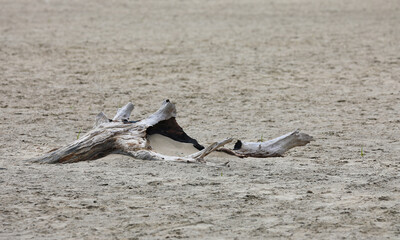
(197, 157)
(272, 148)
(201, 154)
(123, 113)
(93, 145)
(100, 119)
(166, 111)
(121, 136)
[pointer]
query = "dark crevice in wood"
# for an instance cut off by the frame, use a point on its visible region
(238, 145)
(170, 128)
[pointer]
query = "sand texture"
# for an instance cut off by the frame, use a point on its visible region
(243, 69)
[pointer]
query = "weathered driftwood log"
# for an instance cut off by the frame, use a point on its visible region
(121, 136)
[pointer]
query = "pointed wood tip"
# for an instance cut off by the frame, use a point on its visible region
(100, 119)
(124, 112)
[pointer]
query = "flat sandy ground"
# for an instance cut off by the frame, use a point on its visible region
(241, 69)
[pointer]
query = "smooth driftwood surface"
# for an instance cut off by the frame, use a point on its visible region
(121, 136)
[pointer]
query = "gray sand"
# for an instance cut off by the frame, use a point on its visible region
(245, 69)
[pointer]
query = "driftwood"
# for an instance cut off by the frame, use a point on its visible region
(121, 136)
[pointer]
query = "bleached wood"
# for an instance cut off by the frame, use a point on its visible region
(100, 119)
(197, 157)
(201, 154)
(97, 143)
(166, 111)
(124, 112)
(273, 148)
(130, 138)
(115, 137)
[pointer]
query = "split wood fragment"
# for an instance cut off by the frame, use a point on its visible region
(121, 136)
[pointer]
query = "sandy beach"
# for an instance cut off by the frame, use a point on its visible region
(244, 69)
